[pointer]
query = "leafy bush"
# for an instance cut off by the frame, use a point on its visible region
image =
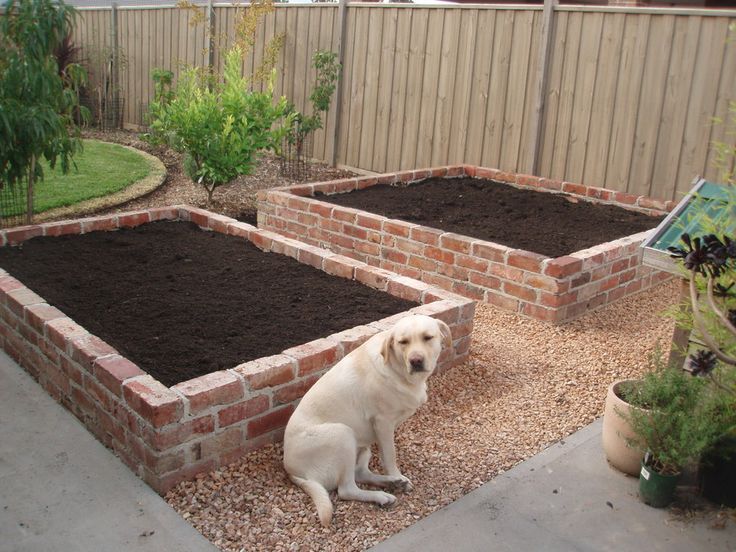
(37, 102)
(679, 417)
(219, 126)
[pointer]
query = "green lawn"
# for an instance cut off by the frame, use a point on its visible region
(102, 169)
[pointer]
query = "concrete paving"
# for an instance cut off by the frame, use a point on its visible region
(564, 499)
(62, 490)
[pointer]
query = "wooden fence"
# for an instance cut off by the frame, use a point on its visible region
(622, 98)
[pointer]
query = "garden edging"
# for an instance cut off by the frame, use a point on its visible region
(166, 435)
(552, 289)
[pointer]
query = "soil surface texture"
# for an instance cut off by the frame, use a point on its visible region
(545, 223)
(181, 302)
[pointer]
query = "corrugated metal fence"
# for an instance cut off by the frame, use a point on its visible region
(629, 94)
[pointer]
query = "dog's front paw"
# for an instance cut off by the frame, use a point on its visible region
(402, 483)
(385, 500)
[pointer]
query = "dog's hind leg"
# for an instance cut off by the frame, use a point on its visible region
(347, 488)
(364, 475)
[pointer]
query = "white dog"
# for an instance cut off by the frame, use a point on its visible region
(360, 401)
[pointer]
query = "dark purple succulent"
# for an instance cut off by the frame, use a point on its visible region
(702, 362)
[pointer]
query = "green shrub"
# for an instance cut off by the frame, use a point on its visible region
(219, 126)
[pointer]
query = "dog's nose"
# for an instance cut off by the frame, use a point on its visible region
(417, 364)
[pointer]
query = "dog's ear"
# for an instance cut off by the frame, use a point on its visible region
(387, 348)
(446, 333)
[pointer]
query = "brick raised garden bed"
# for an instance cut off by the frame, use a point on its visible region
(168, 434)
(551, 289)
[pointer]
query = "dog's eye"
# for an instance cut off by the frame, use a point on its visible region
(403, 341)
(428, 337)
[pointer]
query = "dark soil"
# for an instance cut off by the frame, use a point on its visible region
(181, 302)
(545, 223)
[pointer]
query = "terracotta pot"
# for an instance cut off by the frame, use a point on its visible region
(615, 432)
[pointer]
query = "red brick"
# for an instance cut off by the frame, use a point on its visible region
(580, 280)
(528, 180)
(570, 188)
(471, 263)
(351, 339)
(628, 275)
(562, 267)
(485, 172)
(112, 371)
(313, 256)
(267, 371)
(243, 410)
(490, 251)
(293, 391)
(469, 170)
(211, 389)
(620, 265)
(398, 228)
(373, 277)
(626, 199)
(521, 292)
(38, 315)
(63, 330)
(554, 300)
(537, 281)
(345, 214)
(502, 301)
(407, 246)
(19, 298)
(438, 172)
(132, 219)
(20, 234)
(439, 255)
(368, 220)
(367, 248)
(344, 268)
(406, 288)
(61, 228)
(163, 213)
(540, 313)
(468, 290)
(273, 420)
(366, 182)
(488, 282)
(599, 193)
(550, 184)
(8, 284)
(155, 403)
(454, 271)
(526, 260)
(420, 263)
(224, 441)
(456, 242)
(649, 203)
(97, 392)
(102, 223)
(394, 256)
(423, 234)
(438, 280)
(313, 356)
(506, 272)
(166, 438)
(320, 208)
(88, 348)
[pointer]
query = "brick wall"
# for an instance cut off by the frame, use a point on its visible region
(555, 290)
(166, 435)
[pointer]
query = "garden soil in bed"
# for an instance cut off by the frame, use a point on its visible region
(181, 302)
(549, 224)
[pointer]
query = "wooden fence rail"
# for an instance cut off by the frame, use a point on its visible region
(622, 98)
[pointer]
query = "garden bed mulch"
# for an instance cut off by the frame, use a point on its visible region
(549, 224)
(181, 302)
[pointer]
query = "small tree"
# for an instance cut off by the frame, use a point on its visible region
(219, 126)
(37, 101)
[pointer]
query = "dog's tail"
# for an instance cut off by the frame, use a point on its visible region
(320, 497)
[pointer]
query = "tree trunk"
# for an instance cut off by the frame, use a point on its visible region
(29, 191)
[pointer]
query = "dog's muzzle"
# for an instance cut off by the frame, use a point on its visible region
(416, 365)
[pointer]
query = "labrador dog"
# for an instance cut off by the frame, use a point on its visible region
(360, 401)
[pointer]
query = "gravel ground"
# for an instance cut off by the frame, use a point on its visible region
(527, 385)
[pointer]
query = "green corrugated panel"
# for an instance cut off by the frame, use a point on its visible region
(711, 209)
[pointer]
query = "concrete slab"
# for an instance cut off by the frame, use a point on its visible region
(62, 490)
(566, 498)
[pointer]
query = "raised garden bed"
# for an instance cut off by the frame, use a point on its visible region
(159, 354)
(565, 277)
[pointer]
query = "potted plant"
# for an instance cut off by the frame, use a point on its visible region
(674, 422)
(710, 262)
(617, 433)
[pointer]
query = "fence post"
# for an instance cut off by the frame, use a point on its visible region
(211, 35)
(342, 26)
(548, 29)
(114, 76)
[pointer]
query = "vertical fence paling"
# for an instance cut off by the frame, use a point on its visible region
(567, 92)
